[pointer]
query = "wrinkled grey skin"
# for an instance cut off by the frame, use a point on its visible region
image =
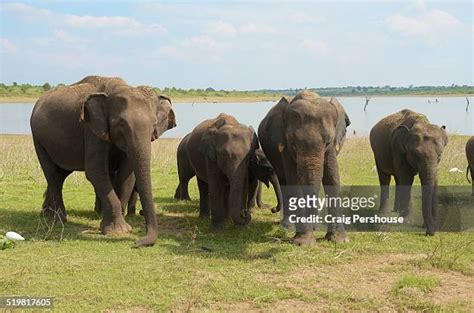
(101, 125)
(220, 151)
(301, 138)
(470, 161)
(406, 144)
(260, 170)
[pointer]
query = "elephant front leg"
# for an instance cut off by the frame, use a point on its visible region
(331, 184)
(97, 173)
(252, 197)
(217, 196)
(203, 198)
(384, 180)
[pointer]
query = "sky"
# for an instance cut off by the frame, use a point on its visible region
(244, 45)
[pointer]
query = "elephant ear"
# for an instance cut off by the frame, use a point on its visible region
(94, 115)
(165, 117)
(399, 139)
(276, 124)
(255, 142)
(208, 144)
(342, 122)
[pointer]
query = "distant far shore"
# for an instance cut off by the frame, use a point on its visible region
(233, 99)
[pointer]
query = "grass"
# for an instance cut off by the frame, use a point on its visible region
(191, 268)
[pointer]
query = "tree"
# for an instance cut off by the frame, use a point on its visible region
(15, 84)
(46, 86)
(210, 89)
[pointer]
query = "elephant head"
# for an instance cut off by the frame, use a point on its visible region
(261, 168)
(420, 145)
(230, 146)
(312, 125)
(131, 118)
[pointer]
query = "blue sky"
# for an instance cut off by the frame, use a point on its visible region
(239, 45)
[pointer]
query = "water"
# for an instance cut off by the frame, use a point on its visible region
(449, 111)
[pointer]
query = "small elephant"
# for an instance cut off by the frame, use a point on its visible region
(101, 125)
(406, 144)
(220, 151)
(470, 161)
(301, 138)
(260, 170)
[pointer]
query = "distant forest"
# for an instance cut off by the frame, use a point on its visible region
(28, 90)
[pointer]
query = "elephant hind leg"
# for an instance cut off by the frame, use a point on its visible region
(53, 205)
(384, 180)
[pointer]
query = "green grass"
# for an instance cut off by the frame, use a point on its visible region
(191, 268)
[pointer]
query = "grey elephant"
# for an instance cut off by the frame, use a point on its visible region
(406, 144)
(99, 125)
(470, 161)
(260, 170)
(302, 138)
(220, 151)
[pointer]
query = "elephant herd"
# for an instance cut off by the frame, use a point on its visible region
(104, 127)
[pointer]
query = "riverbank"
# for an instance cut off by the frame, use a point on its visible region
(234, 99)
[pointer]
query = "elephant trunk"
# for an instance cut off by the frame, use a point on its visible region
(276, 187)
(428, 178)
(309, 170)
(141, 155)
(238, 193)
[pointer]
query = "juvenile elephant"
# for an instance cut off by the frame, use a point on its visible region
(100, 125)
(470, 161)
(220, 151)
(260, 170)
(302, 138)
(406, 144)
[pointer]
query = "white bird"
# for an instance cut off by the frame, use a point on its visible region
(11, 235)
(455, 170)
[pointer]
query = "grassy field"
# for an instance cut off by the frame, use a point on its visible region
(191, 268)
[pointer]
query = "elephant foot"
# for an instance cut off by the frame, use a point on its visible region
(339, 237)
(55, 214)
(147, 241)
(304, 239)
(203, 216)
(131, 211)
(218, 227)
(117, 226)
(276, 209)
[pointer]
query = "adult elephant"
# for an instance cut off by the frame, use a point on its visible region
(100, 125)
(302, 138)
(220, 151)
(406, 144)
(260, 170)
(470, 161)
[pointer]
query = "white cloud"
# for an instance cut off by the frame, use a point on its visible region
(6, 46)
(252, 28)
(118, 25)
(318, 48)
(222, 28)
(199, 42)
(63, 36)
(432, 25)
(26, 11)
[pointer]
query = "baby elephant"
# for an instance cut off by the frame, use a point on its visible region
(406, 144)
(260, 170)
(470, 161)
(222, 153)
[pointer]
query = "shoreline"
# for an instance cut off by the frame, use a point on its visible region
(247, 99)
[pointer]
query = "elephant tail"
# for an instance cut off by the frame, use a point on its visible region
(468, 170)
